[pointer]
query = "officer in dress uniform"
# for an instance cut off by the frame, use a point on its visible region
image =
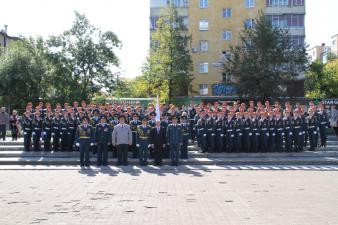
(143, 141)
(47, 129)
(247, 132)
(174, 139)
(134, 123)
(37, 130)
(164, 123)
(298, 129)
(56, 129)
(185, 137)
(84, 139)
(94, 121)
(323, 120)
(103, 139)
(280, 132)
(312, 130)
(27, 126)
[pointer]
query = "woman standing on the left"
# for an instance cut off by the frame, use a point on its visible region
(14, 125)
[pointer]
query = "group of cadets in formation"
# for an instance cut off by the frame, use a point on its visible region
(216, 127)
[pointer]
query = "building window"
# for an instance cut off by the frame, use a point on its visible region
(249, 3)
(203, 89)
(178, 3)
(227, 35)
(203, 67)
(185, 21)
(288, 20)
(249, 23)
(297, 40)
(204, 25)
(153, 21)
(227, 12)
(227, 78)
(276, 3)
(298, 2)
(204, 46)
(204, 4)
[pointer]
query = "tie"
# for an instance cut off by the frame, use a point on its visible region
(158, 130)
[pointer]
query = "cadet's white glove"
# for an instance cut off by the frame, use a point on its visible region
(149, 145)
(137, 145)
(33, 133)
(91, 144)
(77, 144)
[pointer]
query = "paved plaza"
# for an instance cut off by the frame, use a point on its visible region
(172, 196)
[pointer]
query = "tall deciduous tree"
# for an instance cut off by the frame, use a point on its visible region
(22, 72)
(265, 60)
(168, 66)
(322, 80)
(82, 58)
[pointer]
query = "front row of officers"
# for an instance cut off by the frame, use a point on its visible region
(237, 132)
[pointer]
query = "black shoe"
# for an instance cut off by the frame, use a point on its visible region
(82, 165)
(87, 165)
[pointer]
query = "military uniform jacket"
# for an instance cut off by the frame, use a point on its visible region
(185, 129)
(85, 133)
(27, 124)
(143, 133)
(174, 134)
(323, 119)
(37, 124)
(47, 124)
(134, 124)
(103, 134)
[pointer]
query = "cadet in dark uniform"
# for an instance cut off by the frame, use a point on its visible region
(201, 132)
(288, 131)
(47, 128)
(272, 132)
(192, 114)
(185, 137)
(247, 132)
(56, 129)
(164, 123)
(312, 130)
(174, 139)
(220, 131)
(264, 132)
(230, 132)
(152, 121)
(37, 130)
(65, 135)
(95, 120)
(255, 132)
(143, 141)
(279, 126)
(72, 125)
(298, 130)
(210, 128)
(27, 126)
(238, 132)
(133, 126)
(84, 139)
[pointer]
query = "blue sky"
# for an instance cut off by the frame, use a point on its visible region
(129, 19)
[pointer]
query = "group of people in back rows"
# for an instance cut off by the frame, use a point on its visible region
(217, 127)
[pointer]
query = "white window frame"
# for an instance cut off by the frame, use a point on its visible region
(227, 35)
(227, 12)
(203, 25)
(203, 67)
(249, 23)
(249, 3)
(203, 89)
(204, 46)
(203, 4)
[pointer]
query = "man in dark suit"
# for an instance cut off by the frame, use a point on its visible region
(158, 141)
